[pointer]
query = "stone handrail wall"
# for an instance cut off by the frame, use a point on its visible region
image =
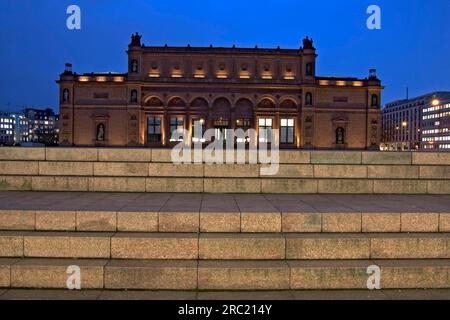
(151, 170)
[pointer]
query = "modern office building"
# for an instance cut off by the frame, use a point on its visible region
(403, 122)
(436, 125)
(42, 126)
(13, 128)
(168, 88)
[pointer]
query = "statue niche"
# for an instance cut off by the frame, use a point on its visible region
(340, 136)
(100, 136)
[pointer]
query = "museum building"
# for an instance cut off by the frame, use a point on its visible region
(170, 88)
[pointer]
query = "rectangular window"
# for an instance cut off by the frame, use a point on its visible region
(265, 129)
(176, 124)
(287, 131)
(153, 129)
(200, 126)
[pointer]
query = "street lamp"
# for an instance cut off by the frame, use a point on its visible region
(435, 102)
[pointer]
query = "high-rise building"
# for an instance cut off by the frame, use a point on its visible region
(436, 125)
(403, 122)
(13, 128)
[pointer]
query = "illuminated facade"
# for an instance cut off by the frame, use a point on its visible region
(407, 124)
(168, 88)
(436, 125)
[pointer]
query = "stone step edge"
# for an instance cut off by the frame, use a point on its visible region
(222, 222)
(187, 246)
(219, 275)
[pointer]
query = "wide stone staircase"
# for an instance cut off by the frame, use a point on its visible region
(247, 234)
(223, 242)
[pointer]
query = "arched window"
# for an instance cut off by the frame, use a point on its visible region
(309, 69)
(100, 134)
(134, 96)
(308, 99)
(340, 135)
(374, 100)
(66, 96)
(134, 67)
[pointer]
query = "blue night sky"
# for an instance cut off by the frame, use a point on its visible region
(412, 49)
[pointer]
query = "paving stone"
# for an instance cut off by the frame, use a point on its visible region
(120, 169)
(340, 186)
(414, 274)
(340, 171)
(420, 222)
(151, 275)
(58, 168)
(11, 244)
(71, 154)
(179, 221)
(230, 185)
(19, 167)
(260, 222)
(329, 275)
(67, 245)
(444, 222)
(435, 172)
(296, 157)
(393, 172)
(336, 157)
(220, 222)
(15, 183)
(341, 222)
(124, 155)
(175, 170)
(154, 246)
(381, 222)
(394, 158)
(54, 220)
(400, 186)
(231, 170)
(410, 246)
(134, 221)
(14, 153)
(53, 273)
(430, 158)
(243, 275)
(329, 247)
(241, 246)
(96, 221)
(301, 222)
(17, 220)
(295, 171)
(43, 183)
(185, 185)
(5, 272)
(117, 184)
(289, 186)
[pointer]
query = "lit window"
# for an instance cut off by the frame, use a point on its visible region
(176, 127)
(154, 129)
(265, 129)
(287, 131)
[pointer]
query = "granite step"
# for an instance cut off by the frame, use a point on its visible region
(252, 216)
(217, 275)
(224, 246)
